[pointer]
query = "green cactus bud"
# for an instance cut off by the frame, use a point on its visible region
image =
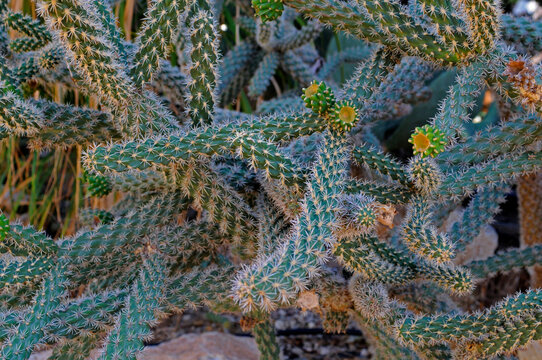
(427, 141)
(4, 226)
(98, 185)
(268, 10)
(318, 97)
(344, 116)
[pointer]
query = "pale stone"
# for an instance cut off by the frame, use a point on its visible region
(533, 351)
(482, 246)
(206, 346)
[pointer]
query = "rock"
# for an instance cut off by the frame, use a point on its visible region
(206, 346)
(533, 351)
(482, 246)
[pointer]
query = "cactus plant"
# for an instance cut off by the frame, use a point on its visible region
(298, 170)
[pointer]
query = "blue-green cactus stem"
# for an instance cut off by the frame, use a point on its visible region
(18, 116)
(27, 26)
(30, 332)
(445, 327)
(422, 237)
(26, 241)
(383, 193)
(262, 77)
(523, 30)
(357, 257)
(455, 110)
(491, 173)
(264, 334)
(383, 163)
(505, 261)
(495, 140)
(144, 306)
(480, 211)
(275, 279)
(203, 68)
(66, 125)
(97, 62)
(155, 37)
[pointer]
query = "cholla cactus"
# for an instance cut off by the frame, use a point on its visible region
(145, 258)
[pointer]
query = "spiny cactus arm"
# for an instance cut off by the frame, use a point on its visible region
(65, 126)
(18, 116)
(141, 182)
(27, 26)
(189, 245)
(170, 82)
(231, 138)
(108, 21)
(271, 225)
(451, 29)
(425, 174)
(280, 104)
(203, 68)
(523, 30)
(483, 23)
(276, 279)
(404, 85)
(455, 109)
(383, 163)
(155, 37)
(26, 69)
(78, 348)
(230, 91)
(49, 58)
(247, 23)
(262, 77)
(456, 279)
(26, 241)
(445, 327)
(369, 75)
(264, 334)
(349, 55)
(300, 71)
(295, 39)
(513, 335)
(94, 253)
(30, 332)
(422, 237)
(234, 61)
(144, 306)
(506, 261)
(481, 210)
(24, 44)
(495, 140)
(18, 272)
(501, 169)
(201, 286)
(223, 204)
(97, 62)
(383, 193)
(357, 257)
(92, 313)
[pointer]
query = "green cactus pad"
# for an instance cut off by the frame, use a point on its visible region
(268, 10)
(344, 116)
(318, 97)
(427, 141)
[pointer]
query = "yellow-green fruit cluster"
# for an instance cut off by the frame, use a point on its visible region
(427, 141)
(318, 97)
(268, 10)
(344, 116)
